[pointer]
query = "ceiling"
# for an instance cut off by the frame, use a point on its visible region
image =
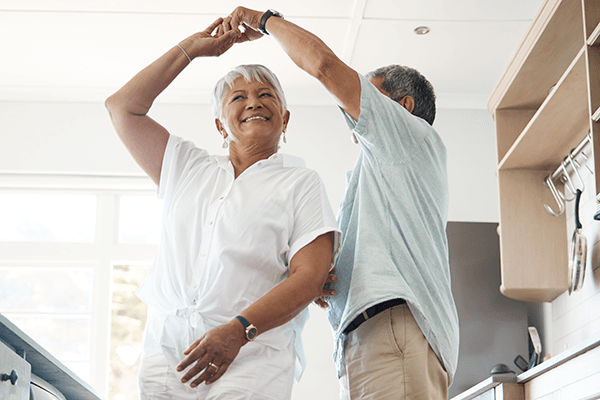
(75, 50)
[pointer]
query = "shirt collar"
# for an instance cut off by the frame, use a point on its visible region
(286, 160)
(290, 161)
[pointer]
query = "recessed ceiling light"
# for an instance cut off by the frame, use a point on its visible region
(422, 30)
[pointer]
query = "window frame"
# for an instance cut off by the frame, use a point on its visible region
(101, 255)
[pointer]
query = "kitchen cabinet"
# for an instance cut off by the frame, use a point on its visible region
(42, 364)
(545, 104)
(15, 374)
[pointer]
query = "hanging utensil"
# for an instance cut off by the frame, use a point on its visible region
(566, 179)
(555, 193)
(578, 257)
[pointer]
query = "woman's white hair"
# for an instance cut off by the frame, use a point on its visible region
(250, 73)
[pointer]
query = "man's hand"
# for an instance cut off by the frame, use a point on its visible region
(213, 353)
(249, 20)
(327, 291)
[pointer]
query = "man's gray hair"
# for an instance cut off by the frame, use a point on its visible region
(250, 73)
(400, 81)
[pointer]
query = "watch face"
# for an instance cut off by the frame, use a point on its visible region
(251, 333)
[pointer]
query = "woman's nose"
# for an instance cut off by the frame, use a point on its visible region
(253, 102)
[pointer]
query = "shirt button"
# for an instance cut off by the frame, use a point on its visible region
(210, 223)
(203, 254)
(335, 327)
(221, 198)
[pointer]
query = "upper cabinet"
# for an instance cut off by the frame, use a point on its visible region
(543, 108)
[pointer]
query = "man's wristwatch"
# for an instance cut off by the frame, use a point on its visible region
(250, 329)
(263, 20)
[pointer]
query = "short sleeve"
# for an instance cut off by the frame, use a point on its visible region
(180, 155)
(386, 130)
(313, 215)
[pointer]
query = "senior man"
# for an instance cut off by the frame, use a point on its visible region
(394, 318)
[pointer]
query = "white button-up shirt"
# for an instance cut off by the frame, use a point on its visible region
(226, 242)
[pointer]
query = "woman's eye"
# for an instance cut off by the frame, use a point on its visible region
(237, 98)
(266, 95)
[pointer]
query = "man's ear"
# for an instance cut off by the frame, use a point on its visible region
(407, 102)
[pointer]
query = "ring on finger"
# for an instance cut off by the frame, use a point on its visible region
(214, 366)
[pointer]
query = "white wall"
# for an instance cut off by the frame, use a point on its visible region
(470, 139)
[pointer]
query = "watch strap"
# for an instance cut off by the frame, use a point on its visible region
(263, 20)
(250, 329)
(243, 320)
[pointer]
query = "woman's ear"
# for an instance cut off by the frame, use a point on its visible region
(221, 128)
(407, 102)
(286, 119)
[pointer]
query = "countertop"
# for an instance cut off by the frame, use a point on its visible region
(44, 364)
(526, 376)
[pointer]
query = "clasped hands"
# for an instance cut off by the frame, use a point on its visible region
(241, 26)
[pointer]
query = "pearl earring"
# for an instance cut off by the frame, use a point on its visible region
(225, 143)
(284, 138)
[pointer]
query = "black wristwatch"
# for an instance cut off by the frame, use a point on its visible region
(250, 329)
(263, 20)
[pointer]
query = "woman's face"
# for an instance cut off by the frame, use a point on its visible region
(253, 111)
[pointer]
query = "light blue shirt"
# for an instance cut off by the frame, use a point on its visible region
(393, 219)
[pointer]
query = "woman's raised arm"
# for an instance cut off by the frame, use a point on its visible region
(145, 138)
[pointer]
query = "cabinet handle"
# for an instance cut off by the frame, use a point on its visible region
(12, 377)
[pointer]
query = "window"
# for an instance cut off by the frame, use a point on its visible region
(72, 256)
(53, 305)
(128, 318)
(139, 219)
(42, 217)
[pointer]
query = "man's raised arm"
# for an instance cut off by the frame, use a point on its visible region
(310, 54)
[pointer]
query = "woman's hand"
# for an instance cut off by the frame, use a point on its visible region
(213, 353)
(211, 42)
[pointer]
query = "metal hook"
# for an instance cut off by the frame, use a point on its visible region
(576, 172)
(585, 157)
(566, 179)
(555, 193)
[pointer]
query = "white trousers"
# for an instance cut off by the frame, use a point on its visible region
(388, 358)
(258, 372)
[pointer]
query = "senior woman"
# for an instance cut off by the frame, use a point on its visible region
(247, 239)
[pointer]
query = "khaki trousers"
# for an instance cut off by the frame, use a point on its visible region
(387, 357)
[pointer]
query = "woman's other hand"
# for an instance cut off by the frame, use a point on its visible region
(211, 42)
(245, 33)
(213, 353)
